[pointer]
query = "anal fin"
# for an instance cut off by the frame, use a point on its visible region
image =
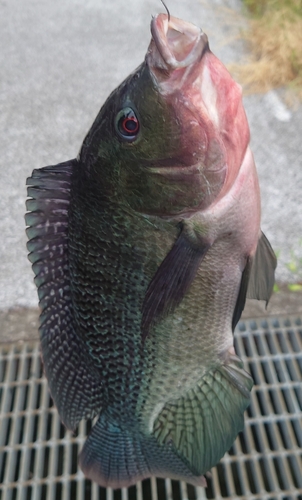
(202, 425)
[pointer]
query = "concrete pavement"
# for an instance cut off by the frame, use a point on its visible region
(59, 60)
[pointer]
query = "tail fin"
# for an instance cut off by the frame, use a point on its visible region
(118, 458)
(190, 435)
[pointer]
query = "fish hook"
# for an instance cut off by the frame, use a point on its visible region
(168, 12)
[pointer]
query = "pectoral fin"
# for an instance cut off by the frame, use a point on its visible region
(171, 281)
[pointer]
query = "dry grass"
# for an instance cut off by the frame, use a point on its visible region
(275, 38)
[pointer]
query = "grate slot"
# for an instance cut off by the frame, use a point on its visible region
(38, 457)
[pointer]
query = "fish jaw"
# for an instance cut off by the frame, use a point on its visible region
(179, 43)
(208, 102)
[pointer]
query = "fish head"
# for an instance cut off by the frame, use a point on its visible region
(170, 140)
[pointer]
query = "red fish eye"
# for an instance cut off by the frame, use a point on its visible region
(127, 124)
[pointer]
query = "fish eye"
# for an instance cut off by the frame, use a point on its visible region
(127, 124)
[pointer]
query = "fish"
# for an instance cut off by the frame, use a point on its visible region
(144, 249)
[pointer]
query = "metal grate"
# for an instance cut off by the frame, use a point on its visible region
(38, 457)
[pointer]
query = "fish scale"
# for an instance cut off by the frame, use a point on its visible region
(107, 297)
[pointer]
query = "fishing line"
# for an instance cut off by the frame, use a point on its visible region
(168, 12)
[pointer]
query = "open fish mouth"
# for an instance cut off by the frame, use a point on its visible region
(179, 44)
(179, 63)
(174, 56)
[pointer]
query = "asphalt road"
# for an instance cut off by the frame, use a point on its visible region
(59, 60)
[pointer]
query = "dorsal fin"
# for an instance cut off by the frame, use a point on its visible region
(74, 388)
(171, 281)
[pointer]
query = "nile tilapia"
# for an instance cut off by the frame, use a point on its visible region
(144, 249)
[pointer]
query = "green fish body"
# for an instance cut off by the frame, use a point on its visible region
(144, 249)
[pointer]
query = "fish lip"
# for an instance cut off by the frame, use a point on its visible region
(177, 172)
(196, 173)
(169, 169)
(192, 42)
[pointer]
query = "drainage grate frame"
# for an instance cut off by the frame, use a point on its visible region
(38, 456)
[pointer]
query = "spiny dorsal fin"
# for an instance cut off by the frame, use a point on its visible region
(74, 388)
(171, 281)
(202, 425)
